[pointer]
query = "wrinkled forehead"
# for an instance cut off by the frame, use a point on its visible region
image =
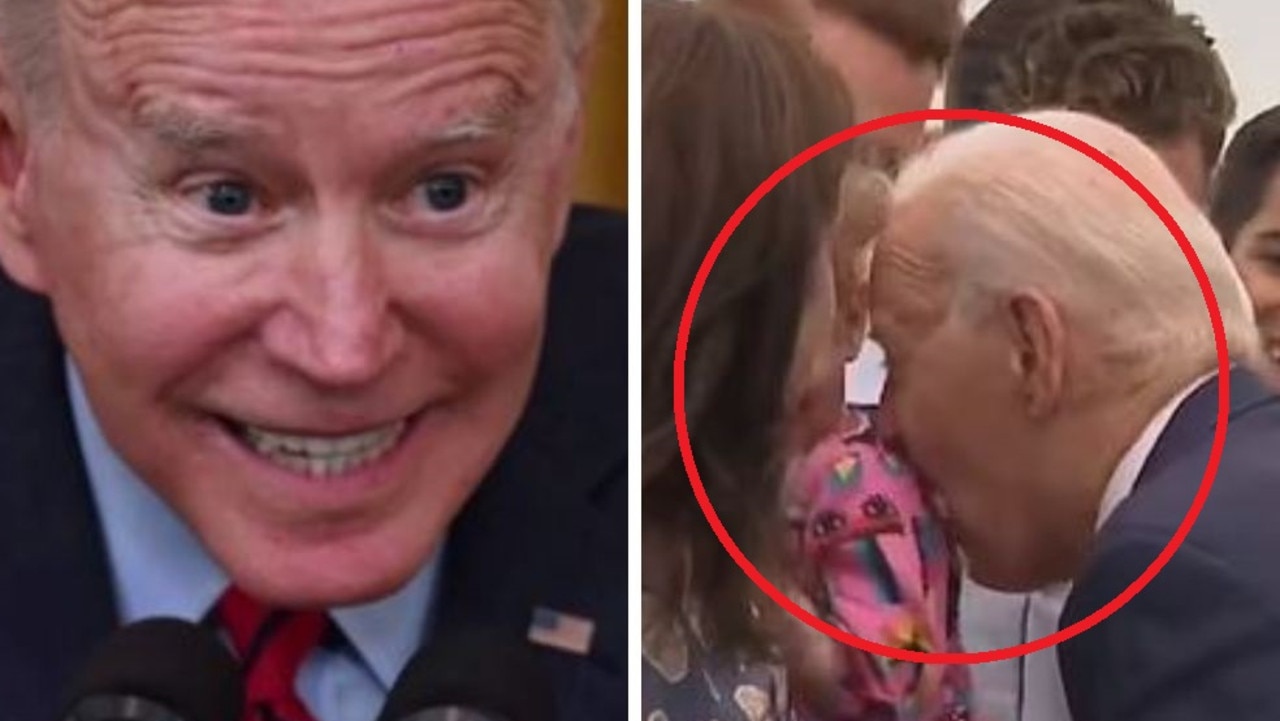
(356, 51)
(911, 280)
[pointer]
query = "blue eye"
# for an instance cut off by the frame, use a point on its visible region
(228, 197)
(444, 192)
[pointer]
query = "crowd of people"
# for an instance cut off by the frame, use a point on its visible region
(1051, 383)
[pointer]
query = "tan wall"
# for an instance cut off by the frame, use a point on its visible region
(602, 175)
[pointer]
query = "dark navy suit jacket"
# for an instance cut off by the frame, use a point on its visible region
(1202, 641)
(546, 528)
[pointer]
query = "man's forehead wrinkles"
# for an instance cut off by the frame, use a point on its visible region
(912, 264)
(338, 38)
(906, 262)
(358, 18)
(480, 96)
(398, 55)
(193, 129)
(908, 285)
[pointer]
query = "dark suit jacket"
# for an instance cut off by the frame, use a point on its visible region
(547, 527)
(1202, 641)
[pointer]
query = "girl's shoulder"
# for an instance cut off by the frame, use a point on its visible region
(854, 466)
(684, 679)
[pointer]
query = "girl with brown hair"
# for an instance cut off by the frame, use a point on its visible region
(727, 99)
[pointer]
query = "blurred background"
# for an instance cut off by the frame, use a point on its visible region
(1248, 47)
(602, 178)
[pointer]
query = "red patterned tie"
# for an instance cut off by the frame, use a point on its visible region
(272, 645)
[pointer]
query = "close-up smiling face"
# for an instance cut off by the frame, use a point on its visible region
(299, 254)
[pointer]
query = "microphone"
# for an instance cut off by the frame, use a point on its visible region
(160, 669)
(472, 675)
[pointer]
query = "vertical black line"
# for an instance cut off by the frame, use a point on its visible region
(266, 712)
(1022, 660)
(269, 627)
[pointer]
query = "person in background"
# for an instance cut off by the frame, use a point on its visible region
(1245, 208)
(1138, 63)
(1053, 374)
(728, 97)
(890, 54)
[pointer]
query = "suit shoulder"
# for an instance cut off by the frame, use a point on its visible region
(594, 253)
(582, 379)
(1238, 521)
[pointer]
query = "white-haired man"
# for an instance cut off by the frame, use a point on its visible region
(293, 330)
(1052, 372)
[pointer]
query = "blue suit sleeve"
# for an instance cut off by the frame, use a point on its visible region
(1199, 643)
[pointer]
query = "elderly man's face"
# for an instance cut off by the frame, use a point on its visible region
(951, 403)
(299, 252)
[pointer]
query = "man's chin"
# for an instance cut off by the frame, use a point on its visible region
(1001, 575)
(1001, 584)
(1016, 581)
(313, 591)
(322, 577)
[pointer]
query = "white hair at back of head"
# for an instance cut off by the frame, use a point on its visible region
(1020, 210)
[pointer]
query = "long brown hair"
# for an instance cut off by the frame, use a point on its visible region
(727, 99)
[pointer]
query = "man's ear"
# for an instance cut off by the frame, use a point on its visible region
(1039, 343)
(17, 252)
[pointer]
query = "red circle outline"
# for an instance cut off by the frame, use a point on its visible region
(686, 450)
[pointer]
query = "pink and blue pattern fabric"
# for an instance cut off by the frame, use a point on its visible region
(880, 567)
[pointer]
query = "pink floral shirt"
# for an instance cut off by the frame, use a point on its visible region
(880, 567)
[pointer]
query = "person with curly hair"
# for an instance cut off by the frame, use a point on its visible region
(1139, 63)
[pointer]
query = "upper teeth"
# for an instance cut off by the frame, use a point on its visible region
(324, 456)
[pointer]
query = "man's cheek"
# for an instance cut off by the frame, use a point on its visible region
(166, 326)
(498, 322)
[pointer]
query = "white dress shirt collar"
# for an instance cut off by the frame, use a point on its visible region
(1127, 471)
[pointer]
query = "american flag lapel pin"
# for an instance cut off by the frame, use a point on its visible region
(561, 631)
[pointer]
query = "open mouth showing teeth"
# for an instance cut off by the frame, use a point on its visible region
(322, 456)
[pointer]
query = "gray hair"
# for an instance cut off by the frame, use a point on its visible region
(1022, 210)
(28, 29)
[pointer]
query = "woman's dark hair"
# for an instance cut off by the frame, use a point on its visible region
(1251, 160)
(728, 97)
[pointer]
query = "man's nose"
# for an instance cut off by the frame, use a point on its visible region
(338, 325)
